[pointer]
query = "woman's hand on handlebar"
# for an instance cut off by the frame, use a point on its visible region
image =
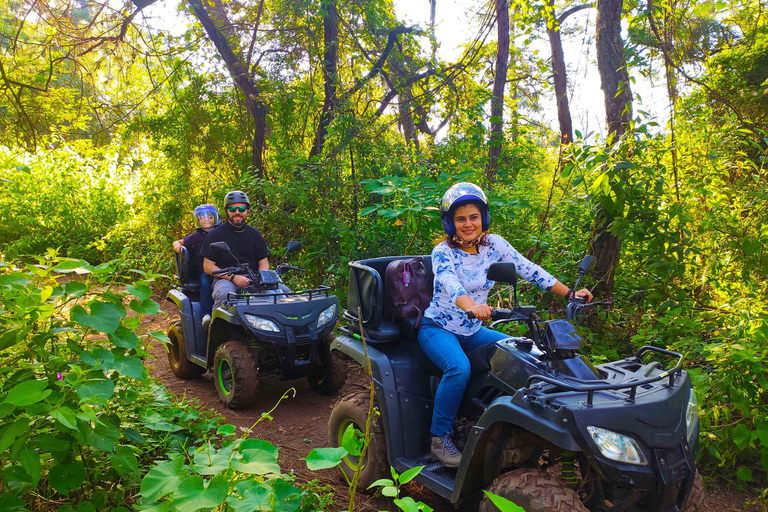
(480, 311)
(584, 294)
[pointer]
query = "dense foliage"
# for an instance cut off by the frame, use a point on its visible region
(113, 138)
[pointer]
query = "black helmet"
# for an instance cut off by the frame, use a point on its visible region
(459, 195)
(236, 196)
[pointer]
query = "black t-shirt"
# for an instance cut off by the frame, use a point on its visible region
(194, 244)
(246, 244)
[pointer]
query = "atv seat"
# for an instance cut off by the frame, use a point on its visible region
(186, 271)
(366, 291)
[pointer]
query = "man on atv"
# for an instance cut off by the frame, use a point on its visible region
(245, 243)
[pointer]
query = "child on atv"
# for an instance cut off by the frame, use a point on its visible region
(206, 218)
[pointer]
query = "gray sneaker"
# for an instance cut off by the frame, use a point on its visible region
(206, 321)
(445, 451)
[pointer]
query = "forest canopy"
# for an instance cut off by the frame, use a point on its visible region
(345, 125)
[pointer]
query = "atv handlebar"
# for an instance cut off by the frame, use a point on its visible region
(230, 270)
(518, 313)
(284, 267)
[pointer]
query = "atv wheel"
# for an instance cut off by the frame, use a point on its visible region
(236, 375)
(696, 497)
(535, 491)
(329, 374)
(181, 367)
(353, 410)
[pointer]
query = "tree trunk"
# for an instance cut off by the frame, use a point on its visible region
(499, 82)
(559, 77)
(612, 65)
(330, 73)
(239, 72)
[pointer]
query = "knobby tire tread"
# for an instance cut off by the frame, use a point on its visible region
(181, 367)
(535, 491)
(246, 376)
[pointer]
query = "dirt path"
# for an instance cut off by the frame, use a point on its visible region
(299, 425)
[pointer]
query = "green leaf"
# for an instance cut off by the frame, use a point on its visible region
(9, 434)
(124, 338)
(95, 389)
(67, 477)
(27, 393)
(503, 504)
(141, 292)
(369, 210)
(160, 336)
(103, 317)
(130, 367)
(145, 307)
(124, 460)
(287, 496)
(353, 440)
(75, 288)
(226, 430)
(390, 492)
(193, 494)
(30, 461)
(65, 416)
(324, 458)
(257, 459)
(253, 496)
(382, 482)
(259, 444)
(761, 429)
(162, 479)
(155, 421)
(11, 337)
(744, 474)
(740, 436)
(11, 503)
(407, 504)
(52, 443)
(409, 474)
(103, 436)
(208, 461)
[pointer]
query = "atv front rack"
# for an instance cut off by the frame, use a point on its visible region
(580, 385)
(275, 294)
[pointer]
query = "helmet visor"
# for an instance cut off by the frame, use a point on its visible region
(465, 192)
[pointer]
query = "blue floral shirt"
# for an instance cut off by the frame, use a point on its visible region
(460, 273)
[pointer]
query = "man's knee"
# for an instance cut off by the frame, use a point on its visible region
(458, 368)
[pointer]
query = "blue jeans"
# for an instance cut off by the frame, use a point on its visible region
(206, 288)
(447, 351)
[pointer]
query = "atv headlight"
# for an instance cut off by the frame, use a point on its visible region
(616, 446)
(262, 324)
(691, 415)
(326, 316)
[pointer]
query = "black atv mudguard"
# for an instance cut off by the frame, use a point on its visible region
(191, 323)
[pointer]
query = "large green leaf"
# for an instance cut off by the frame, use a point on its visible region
(193, 493)
(257, 461)
(252, 496)
(740, 435)
(75, 288)
(103, 436)
(124, 338)
(145, 307)
(208, 461)
(30, 461)
(124, 460)
(503, 503)
(130, 367)
(67, 477)
(10, 433)
(27, 393)
(11, 503)
(258, 444)
(408, 504)
(65, 416)
(103, 317)
(141, 292)
(95, 389)
(287, 496)
(353, 440)
(162, 479)
(10, 337)
(325, 458)
(98, 357)
(155, 421)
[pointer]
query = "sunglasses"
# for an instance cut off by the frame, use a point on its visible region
(234, 209)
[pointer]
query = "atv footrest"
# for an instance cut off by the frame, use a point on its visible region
(438, 478)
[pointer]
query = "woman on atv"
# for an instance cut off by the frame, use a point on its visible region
(460, 264)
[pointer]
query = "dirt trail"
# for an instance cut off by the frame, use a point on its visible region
(300, 422)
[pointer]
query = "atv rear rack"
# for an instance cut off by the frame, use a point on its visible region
(275, 294)
(579, 385)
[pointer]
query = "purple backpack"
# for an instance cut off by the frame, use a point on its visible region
(408, 292)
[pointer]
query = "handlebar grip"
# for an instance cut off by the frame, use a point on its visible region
(470, 315)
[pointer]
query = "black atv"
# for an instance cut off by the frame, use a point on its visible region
(261, 330)
(538, 425)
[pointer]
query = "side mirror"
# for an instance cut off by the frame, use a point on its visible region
(587, 264)
(293, 246)
(503, 272)
(222, 246)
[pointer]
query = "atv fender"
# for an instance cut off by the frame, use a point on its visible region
(384, 385)
(504, 410)
(193, 331)
(225, 326)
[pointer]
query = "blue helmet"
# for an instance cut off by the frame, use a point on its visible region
(459, 195)
(207, 215)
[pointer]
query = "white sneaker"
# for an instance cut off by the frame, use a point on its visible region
(206, 321)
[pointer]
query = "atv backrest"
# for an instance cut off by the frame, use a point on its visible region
(366, 291)
(186, 271)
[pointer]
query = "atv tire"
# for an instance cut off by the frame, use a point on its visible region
(329, 374)
(235, 374)
(353, 409)
(181, 367)
(696, 497)
(535, 491)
